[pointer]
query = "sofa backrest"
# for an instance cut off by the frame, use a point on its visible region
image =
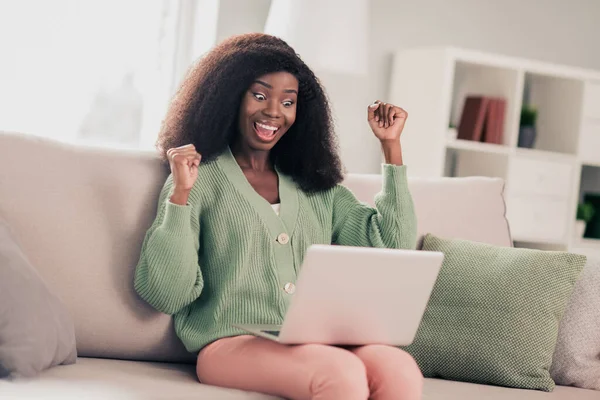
(470, 208)
(80, 215)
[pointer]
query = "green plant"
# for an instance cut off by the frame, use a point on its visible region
(585, 212)
(528, 116)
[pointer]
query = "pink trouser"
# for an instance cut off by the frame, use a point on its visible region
(310, 371)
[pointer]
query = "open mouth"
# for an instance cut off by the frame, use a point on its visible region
(265, 132)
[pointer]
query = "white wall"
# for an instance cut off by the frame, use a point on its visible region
(559, 31)
(241, 16)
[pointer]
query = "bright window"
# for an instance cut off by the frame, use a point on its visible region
(99, 71)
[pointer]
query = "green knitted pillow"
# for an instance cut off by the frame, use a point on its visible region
(494, 312)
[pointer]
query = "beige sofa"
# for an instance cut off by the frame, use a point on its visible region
(80, 215)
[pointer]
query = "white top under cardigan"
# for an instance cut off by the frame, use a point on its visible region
(276, 208)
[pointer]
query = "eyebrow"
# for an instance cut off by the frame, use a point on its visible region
(265, 84)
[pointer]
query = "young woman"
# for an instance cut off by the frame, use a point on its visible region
(231, 231)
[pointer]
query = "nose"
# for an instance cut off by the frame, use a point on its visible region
(272, 110)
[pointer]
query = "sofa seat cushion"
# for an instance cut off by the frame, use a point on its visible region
(95, 378)
(438, 389)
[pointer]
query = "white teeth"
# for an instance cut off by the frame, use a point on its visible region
(271, 128)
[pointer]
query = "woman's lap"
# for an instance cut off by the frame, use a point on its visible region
(309, 371)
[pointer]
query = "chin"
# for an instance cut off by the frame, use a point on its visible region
(262, 146)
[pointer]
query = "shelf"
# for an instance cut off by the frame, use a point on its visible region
(537, 243)
(589, 192)
(594, 243)
(589, 181)
(546, 181)
(545, 154)
(590, 141)
(540, 245)
(558, 102)
(476, 159)
(591, 164)
(475, 79)
(470, 145)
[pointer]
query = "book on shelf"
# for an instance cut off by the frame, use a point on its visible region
(473, 118)
(482, 119)
(494, 125)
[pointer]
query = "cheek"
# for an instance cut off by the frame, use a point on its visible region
(290, 116)
(245, 109)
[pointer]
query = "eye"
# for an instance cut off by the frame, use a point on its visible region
(288, 103)
(259, 96)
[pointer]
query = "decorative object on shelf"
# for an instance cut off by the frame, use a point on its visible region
(482, 119)
(585, 213)
(452, 133)
(527, 131)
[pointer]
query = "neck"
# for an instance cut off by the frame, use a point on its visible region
(248, 158)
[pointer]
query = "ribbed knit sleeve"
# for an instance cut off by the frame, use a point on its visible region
(392, 224)
(168, 276)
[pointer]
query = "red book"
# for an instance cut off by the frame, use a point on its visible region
(490, 122)
(473, 118)
(501, 116)
(494, 122)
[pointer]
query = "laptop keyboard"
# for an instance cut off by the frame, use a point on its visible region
(274, 333)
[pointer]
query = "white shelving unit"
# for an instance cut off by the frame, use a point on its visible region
(544, 183)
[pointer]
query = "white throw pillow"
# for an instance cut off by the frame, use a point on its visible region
(576, 360)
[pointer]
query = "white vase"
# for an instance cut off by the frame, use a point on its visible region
(579, 229)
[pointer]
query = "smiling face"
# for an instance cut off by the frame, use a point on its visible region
(268, 110)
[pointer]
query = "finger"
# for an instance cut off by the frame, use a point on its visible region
(174, 150)
(183, 157)
(179, 159)
(186, 146)
(378, 110)
(189, 153)
(175, 155)
(393, 111)
(371, 109)
(388, 109)
(382, 115)
(401, 114)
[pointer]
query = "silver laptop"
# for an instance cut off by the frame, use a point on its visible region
(356, 296)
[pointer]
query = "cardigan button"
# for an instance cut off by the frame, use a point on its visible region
(283, 238)
(289, 288)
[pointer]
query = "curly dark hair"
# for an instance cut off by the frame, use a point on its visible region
(205, 109)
